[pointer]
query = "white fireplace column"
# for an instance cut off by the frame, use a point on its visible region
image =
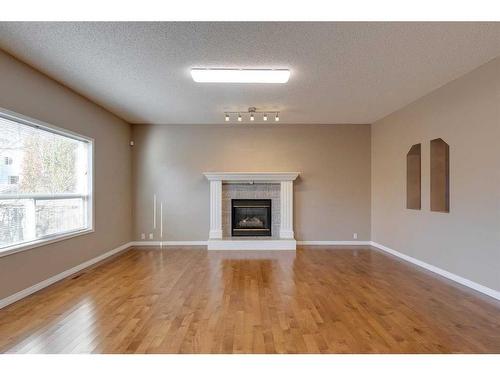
(215, 210)
(286, 221)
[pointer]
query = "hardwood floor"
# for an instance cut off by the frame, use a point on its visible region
(317, 300)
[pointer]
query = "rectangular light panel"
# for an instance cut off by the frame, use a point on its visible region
(240, 75)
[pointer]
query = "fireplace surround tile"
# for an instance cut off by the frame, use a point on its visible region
(250, 191)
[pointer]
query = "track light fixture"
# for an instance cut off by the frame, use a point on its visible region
(253, 114)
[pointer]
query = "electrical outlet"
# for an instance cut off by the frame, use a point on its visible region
(143, 236)
(150, 236)
(355, 236)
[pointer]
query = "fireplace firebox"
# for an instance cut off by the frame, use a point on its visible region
(251, 217)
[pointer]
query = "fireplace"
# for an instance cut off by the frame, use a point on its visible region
(251, 217)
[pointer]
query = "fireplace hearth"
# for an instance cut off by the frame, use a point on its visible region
(251, 217)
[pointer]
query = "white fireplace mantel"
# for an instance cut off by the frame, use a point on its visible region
(238, 177)
(286, 239)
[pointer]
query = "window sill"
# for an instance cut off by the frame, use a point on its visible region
(42, 242)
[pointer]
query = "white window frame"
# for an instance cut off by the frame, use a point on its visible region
(16, 117)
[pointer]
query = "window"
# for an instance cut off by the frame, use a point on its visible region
(46, 193)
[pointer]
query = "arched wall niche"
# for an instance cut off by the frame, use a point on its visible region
(413, 178)
(440, 176)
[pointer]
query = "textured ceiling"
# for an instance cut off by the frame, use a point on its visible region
(341, 72)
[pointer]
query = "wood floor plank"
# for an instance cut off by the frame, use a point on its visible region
(315, 300)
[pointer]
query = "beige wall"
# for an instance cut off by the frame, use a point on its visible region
(26, 91)
(466, 241)
(332, 195)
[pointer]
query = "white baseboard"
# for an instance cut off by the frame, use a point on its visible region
(168, 243)
(334, 243)
(459, 279)
(206, 243)
(45, 283)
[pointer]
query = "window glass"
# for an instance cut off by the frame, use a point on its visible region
(44, 183)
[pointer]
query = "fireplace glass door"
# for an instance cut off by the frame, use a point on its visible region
(251, 217)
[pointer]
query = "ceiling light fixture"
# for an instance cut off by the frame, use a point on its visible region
(218, 75)
(252, 111)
